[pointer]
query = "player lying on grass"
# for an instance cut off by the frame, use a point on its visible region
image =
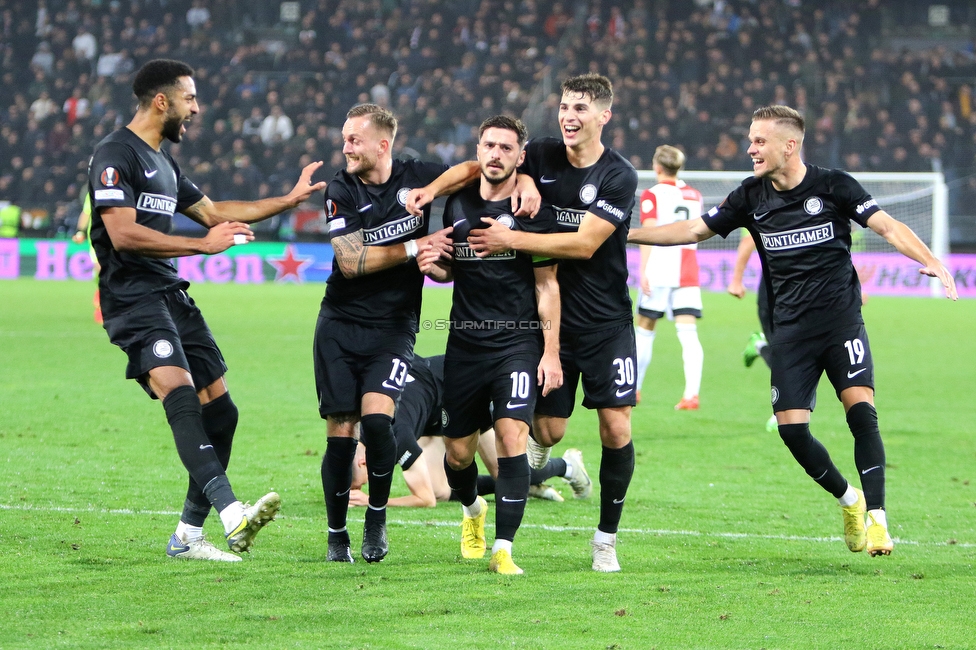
(420, 450)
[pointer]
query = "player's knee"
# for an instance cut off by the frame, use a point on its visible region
(376, 428)
(862, 419)
(795, 436)
(220, 417)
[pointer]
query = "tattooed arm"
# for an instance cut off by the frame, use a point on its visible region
(356, 260)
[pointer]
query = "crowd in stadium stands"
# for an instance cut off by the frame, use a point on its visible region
(274, 95)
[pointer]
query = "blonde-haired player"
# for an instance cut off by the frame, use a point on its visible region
(669, 279)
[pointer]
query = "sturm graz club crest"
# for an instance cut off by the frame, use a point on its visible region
(774, 395)
(162, 348)
(402, 195)
(506, 220)
(587, 193)
(813, 205)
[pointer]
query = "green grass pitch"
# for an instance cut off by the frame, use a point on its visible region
(725, 542)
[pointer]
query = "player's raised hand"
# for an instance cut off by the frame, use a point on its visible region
(736, 288)
(526, 199)
(417, 198)
(496, 238)
(440, 241)
(304, 188)
(226, 234)
(550, 373)
(79, 237)
(939, 270)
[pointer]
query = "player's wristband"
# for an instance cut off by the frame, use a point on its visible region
(411, 248)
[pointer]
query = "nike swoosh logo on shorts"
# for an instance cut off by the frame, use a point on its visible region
(869, 469)
(547, 180)
(202, 447)
(388, 386)
(621, 394)
(758, 216)
(514, 406)
(507, 500)
(151, 174)
(852, 375)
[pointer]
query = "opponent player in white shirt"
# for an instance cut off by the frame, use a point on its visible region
(669, 278)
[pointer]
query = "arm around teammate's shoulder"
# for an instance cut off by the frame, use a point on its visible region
(452, 180)
(673, 234)
(908, 244)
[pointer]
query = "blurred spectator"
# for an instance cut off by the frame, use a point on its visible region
(276, 127)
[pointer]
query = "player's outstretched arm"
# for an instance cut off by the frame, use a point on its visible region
(579, 245)
(550, 373)
(209, 214)
(458, 176)
(908, 244)
(356, 260)
(130, 237)
(742, 255)
(673, 234)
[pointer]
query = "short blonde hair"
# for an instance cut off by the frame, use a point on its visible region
(670, 158)
(781, 115)
(381, 119)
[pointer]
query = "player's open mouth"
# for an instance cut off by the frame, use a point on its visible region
(570, 129)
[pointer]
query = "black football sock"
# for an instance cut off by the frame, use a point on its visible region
(377, 435)
(616, 470)
(463, 482)
(555, 467)
(511, 492)
(813, 458)
(869, 453)
(486, 485)
(337, 478)
(219, 422)
(183, 411)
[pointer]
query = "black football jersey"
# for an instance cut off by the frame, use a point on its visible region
(126, 172)
(425, 390)
(494, 297)
(390, 298)
(594, 292)
(803, 237)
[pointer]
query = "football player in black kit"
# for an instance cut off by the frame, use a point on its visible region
(368, 319)
(591, 190)
(503, 342)
(136, 187)
(419, 437)
(800, 217)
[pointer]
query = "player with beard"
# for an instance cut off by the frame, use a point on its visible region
(136, 187)
(591, 190)
(368, 319)
(496, 354)
(799, 216)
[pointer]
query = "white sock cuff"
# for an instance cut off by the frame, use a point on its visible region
(501, 544)
(604, 538)
(849, 498)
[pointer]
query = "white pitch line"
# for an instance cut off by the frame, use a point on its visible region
(454, 524)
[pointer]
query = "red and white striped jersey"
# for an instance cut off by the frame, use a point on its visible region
(667, 202)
